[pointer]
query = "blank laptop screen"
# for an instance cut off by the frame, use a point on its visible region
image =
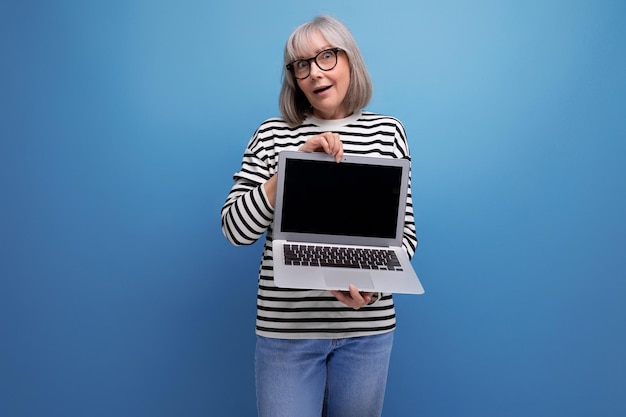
(347, 199)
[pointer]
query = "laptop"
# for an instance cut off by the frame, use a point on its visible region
(341, 223)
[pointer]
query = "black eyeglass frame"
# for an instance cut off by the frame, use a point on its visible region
(291, 68)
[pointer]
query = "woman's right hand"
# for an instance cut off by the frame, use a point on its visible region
(326, 142)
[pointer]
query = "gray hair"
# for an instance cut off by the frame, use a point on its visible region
(293, 104)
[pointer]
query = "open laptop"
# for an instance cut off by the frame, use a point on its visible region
(341, 223)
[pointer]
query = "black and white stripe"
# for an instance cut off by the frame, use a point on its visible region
(247, 214)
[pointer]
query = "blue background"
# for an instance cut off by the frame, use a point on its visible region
(122, 123)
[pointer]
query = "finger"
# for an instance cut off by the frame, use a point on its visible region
(328, 138)
(336, 142)
(356, 296)
(339, 148)
(338, 294)
(366, 294)
(335, 146)
(339, 153)
(342, 296)
(315, 144)
(321, 142)
(346, 298)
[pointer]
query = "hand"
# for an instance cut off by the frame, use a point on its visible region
(326, 142)
(353, 297)
(270, 189)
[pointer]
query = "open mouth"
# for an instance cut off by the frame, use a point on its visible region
(321, 90)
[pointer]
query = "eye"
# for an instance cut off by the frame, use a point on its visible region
(301, 64)
(327, 54)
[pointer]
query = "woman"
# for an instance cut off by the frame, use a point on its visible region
(318, 353)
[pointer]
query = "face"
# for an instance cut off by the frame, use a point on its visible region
(326, 90)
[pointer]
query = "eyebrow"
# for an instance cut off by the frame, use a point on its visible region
(323, 48)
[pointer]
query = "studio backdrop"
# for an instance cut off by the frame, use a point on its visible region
(122, 123)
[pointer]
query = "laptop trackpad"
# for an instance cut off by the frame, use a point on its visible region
(342, 279)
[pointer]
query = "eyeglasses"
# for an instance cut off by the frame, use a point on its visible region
(325, 60)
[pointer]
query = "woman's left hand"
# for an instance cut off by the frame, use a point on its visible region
(328, 142)
(353, 297)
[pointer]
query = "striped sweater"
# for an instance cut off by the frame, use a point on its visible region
(247, 215)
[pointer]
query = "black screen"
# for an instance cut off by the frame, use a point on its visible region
(340, 198)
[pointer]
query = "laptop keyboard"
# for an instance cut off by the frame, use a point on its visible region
(342, 257)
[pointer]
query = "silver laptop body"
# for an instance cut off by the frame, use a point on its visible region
(337, 224)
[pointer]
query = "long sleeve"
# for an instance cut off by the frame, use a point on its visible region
(247, 213)
(401, 149)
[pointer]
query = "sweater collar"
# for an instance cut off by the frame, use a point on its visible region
(332, 124)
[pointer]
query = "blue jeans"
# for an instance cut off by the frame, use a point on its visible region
(322, 377)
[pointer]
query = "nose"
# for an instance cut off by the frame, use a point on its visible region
(314, 70)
